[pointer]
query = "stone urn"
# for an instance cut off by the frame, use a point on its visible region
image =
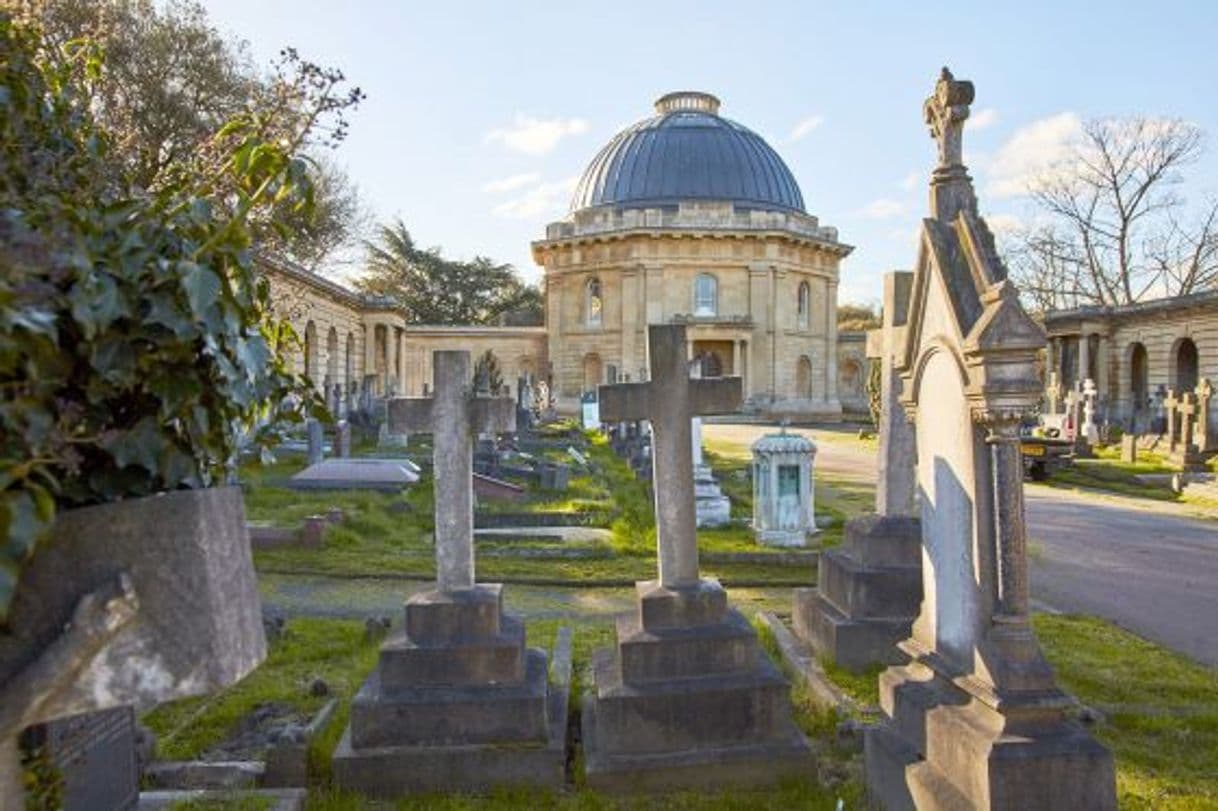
(131, 603)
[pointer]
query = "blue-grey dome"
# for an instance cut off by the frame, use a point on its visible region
(688, 152)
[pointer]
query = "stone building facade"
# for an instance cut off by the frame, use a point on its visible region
(688, 217)
(1131, 352)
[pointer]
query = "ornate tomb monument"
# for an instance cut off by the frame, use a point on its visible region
(975, 720)
(868, 589)
(458, 702)
(687, 697)
(784, 511)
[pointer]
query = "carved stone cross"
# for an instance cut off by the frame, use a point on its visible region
(1204, 391)
(669, 401)
(453, 416)
(1170, 405)
(1187, 409)
(945, 112)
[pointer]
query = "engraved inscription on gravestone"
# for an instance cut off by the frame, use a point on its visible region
(95, 753)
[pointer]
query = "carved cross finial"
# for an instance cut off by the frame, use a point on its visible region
(945, 112)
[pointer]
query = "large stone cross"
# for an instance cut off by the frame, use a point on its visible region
(1204, 391)
(945, 113)
(669, 401)
(1187, 409)
(453, 416)
(1170, 405)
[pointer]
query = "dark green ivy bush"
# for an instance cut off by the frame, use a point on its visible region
(137, 347)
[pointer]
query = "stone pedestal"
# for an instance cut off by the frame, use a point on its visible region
(944, 748)
(712, 508)
(867, 595)
(456, 704)
(688, 699)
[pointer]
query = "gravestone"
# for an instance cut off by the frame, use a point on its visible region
(95, 754)
(1158, 424)
(1129, 448)
(317, 438)
(1054, 393)
(975, 720)
(342, 439)
(1090, 430)
(457, 702)
(590, 414)
(868, 589)
(711, 507)
(1207, 436)
(1185, 453)
(687, 698)
(1171, 415)
(784, 512)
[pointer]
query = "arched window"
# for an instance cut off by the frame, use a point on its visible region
(803, 378)
(593, 304)
(1186, 364)
(804, 304)
(311, 350)
(592, 371)
(1139, 385)
(331, 357)
(706, 295)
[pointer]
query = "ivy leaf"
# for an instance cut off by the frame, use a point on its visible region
(140, 445)
(202, 288)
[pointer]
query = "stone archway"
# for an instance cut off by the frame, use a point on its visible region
(850, 380)
(1185, 365)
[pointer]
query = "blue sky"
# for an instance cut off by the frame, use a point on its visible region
(480, 116)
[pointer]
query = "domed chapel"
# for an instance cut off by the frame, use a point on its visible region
(685, 217)
(689, 217)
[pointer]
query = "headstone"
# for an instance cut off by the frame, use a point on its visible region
(870, 586)
(1158, 424)
(1185, 453)
(784, 511)
(1129, 448)
(711, 507)
(976, 719)
(342, 439)
(317, 440)
(1207, 436)
(1171, 415)
(457, 703)
(385, 475)
(95, 755)
(686, 698)
(578, 457)
(1090, 431)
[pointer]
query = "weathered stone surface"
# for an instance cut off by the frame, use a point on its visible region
(95, 755)
(495, 659)
(385, 475)
(645, 654)
(854, 644)
(451, 716)
(198, 626)
(439, 618)
(783, 490)
(703, 603)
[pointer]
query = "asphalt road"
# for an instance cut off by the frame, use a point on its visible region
(1147, 570)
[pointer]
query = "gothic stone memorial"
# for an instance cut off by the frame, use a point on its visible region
(975, 719)
(458, 702)
(687, 698)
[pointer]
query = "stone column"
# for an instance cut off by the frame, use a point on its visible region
(1084, 358)
(831, 343)
(454, 471)
(897, 486)
(1051, 361)
(1010, 536)
(736, 357)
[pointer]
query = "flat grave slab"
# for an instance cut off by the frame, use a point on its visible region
(389, 475)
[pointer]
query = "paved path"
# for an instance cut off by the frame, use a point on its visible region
(1150, 571)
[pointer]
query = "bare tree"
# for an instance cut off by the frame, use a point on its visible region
(1113, 233)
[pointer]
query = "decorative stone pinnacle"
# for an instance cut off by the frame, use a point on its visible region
(945, 112)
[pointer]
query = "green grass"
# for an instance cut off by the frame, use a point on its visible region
(333, 650)
(1161, 710)
(231, 801)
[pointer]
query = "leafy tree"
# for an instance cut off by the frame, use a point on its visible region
(856, 317)
(1113, 229)
(435, 290)
(137, 348)
(172, 80)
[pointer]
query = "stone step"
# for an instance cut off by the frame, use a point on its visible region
(687, 713)
(859, 592)
(646, 655)
(498, 659)
(854, 644)
(449, 716)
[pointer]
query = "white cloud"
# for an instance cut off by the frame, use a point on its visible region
(542, 200)
(805, 127)
(536, 136)
(1004, 224)
(982, 119)
(1031, 151)
(883, 209)
(910, 181)
(511, 183)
